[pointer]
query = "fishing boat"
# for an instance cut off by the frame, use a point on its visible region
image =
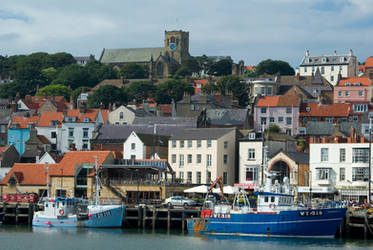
(276, 214)
(75, 212)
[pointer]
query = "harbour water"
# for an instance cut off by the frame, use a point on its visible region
(23, 237)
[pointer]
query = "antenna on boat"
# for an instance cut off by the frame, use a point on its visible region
(48, 184)
(96, 176)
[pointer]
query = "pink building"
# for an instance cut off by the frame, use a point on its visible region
(353, 90)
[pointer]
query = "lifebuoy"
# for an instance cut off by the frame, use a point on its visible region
(272, 205)
(61, 212)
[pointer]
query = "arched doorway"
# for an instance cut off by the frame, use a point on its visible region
(282, 169)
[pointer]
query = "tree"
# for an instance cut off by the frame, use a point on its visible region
(98, 72)
(55, 90)
(204, 63)
(49, 74)
(209, 88)
(172, 90)
(74, 76)
(133, 71)
(236, 85)
(221, 68)
(273, 67)
(11, 89)
(60, 60)
(76, 92)
(107, 94)
(141, 90)
(274, 128)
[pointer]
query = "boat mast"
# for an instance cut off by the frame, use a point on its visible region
(48, 184)
(96, 176)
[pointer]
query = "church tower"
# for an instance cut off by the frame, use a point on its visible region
(176, 44)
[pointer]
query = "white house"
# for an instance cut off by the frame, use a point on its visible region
(49, 125)
(145, 146)
(77, 128)
(200, 155)
(340, 168)
(330, 66)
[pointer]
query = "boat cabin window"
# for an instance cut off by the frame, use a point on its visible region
(53, 205)
(63, 203)
(46, 205)
(272, 199)
(58, 204)
(266, 199)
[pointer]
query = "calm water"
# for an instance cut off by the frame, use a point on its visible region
(12, 237)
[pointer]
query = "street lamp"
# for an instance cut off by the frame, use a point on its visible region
(310, 182)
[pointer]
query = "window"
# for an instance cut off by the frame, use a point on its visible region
(342, 174)
(339, 93)
(269, 90)
(329, 119)
(173, 158)
(225, 159)
(71, 132)
(305, 69)
(360, 93)
(332, 68)
(174, 144)
(280, 119)
(360, 155)
(189, 177)
(251, 173)
(181, 177)
(198, 177)
(189, 158)
(360, 107)
(208, 177)
(288, 120)
(181, 144)
(322, 70)
(324, 154)
(263, 120)
(347, 93)
(263, 90)
(331, 78)
(225, 178)
(256, 91)
(2, 129)
(199, 158)
(181, 160)
(288, 110)
(190, 144)
(133, 157)
(251, 154)
(53, 134)
(208, 162)
(133, 146)
(121, 115)
(271, 120)
(199, 143)
(225, 144)
(263, 110)
(60, 192)
(342, 155)
(323, 173)
(209, 143)
(85, 132)
(192, 107)
(360, 174)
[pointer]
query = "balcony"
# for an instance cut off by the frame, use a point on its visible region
(324, 182)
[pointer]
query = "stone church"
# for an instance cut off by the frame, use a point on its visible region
(161, 61)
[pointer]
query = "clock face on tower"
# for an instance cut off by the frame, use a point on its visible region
(172, 46)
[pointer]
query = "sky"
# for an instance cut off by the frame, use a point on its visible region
(249, 30)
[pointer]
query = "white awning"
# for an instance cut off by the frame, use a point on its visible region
(199, 189)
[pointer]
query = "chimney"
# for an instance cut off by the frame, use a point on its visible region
(323, 140)
(312, 140)
(336, 139)
(352, 135)
(187, 97)
(362, 139)
(110, 107)
(71, 103)
(335, 52)
(18, 97)
(298, 76)
(370, 74)
(307, 53)
(313, 75)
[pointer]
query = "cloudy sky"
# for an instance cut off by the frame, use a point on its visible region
(252, 30)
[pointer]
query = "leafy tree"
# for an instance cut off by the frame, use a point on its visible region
(172, 89)
(274, 128)
(141, 90)
(236, 85)
(49, 74)
(99, 72)
(133, 71)
(273, 67)
(60, 60)
(11, 89)
(74, 76)
(55, 90)
(107, 94)
(191, 65)
(204, 63)
(221, 68)
(182, 72)
(209, 88)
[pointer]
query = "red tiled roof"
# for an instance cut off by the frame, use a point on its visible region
(74, 158)
(332, 110)
(2, 149)
(46, 119)
(250, 67)
(29, 173)
(90, 113)
(24, 121)
(364, 81)
(369, 62)
(278, 101)
(105, 115)
(199, 81)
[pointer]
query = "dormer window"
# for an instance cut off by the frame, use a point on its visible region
(324, 60)
(307, 60)
(341, 59)
(121, 115)
(86, 119)
(357, 84)
(348, 84)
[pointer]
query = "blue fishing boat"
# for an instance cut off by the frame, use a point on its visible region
(276, 214)
(74, 212)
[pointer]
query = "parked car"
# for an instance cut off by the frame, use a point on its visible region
(179, 201)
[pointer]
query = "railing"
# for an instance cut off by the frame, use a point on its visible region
(139, 182)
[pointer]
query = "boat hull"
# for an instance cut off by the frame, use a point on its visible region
(301, 223)
(111, 216)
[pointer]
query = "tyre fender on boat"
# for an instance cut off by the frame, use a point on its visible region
(61, 212)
